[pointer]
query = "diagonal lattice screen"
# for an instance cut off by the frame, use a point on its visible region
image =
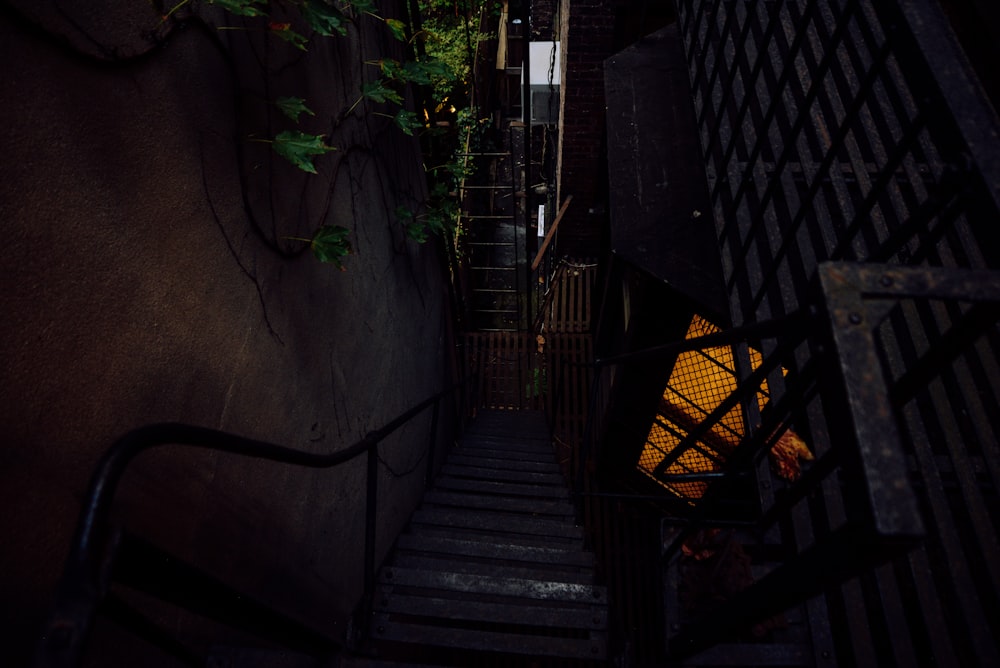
(700, 381)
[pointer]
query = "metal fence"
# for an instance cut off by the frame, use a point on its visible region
(853, 131)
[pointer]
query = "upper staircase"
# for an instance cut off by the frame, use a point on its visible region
(492, 569)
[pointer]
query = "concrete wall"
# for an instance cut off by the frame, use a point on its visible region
(147, 276)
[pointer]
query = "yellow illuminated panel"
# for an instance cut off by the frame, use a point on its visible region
(700, 381)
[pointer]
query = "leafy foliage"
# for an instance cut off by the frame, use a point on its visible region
(330, 244)
(242, 7)
(293, 107)
(284, 31)
(377, 91)
(407, 121)
(397, 28)
(300, 148)
(417, 232)
(324, 18)
(364, 6)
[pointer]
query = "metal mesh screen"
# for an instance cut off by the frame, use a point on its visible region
(700, 381)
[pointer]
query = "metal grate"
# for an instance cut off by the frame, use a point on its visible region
(700, 382)
(820, 145)
(851, 130)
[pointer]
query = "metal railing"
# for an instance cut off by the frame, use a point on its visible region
(841, 370)
(90, 566)
(855, 131)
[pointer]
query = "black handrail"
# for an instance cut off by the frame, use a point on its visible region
(85, 578)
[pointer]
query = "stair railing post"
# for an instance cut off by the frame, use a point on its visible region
(371, 510)
(431, 443)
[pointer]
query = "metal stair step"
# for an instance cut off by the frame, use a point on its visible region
(501, 488)
(492, 641)
(487, 585)
(518, 419)
(546, 457)
(492, 539)
(753, 654)
(552, 571)
(534, 507)
(508, 464)
(503, 475)
(501, 523)
(508, 445)
(581, 616)
(507, 552)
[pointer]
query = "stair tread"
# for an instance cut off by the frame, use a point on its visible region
(503, 523)
(510, 643)
(507, 444)
(512, 588)
(501, 475)
(564, 616)
(754, 654)
(502, 488)
(506, 464)
(551, 571)
(491, 451)
(493, 561)
(534, 507)
(492, 550)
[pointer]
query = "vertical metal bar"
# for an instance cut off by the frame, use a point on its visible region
(845, 553)
(432, 442)
(790, 140)
(871, 78)
(371, 512)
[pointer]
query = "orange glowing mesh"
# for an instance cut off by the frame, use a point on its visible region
(700, 381)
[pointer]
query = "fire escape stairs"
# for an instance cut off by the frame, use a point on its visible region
(492, 566)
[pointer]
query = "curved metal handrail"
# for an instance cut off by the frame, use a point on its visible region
(82, 583)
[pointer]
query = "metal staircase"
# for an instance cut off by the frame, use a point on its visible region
(492, 569)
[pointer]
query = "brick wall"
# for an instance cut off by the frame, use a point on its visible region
(543, 25)
(587, 36)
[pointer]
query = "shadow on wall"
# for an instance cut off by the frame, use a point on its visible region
(148, 275)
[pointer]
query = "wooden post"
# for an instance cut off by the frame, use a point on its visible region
(550, 233)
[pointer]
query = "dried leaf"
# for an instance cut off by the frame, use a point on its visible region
(787, 454)
(702, 545)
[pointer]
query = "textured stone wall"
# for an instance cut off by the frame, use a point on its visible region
(149, 274)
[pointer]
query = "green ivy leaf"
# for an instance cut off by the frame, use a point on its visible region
(293, 107)
(407, 121)
(323, 18)
(299, 148)
(363, 6)
(284, 31)
(377, 91)
(404, 214)
(417, 232)
(392, 69)
(330, 244)
(397, 28)
(241, 7)
(425, 72)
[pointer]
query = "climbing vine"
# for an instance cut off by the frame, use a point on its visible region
(435, 65)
